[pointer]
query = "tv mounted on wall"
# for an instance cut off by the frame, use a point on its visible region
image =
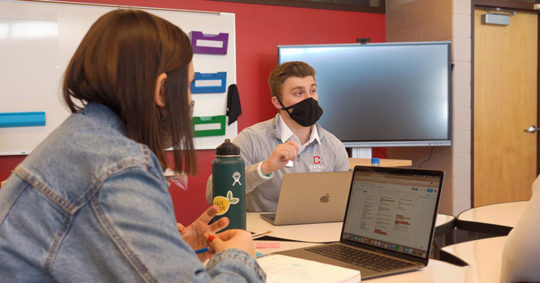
(383, 94)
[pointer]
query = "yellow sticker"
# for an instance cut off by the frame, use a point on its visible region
(225, 202)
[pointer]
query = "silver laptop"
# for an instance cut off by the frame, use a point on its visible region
(314, 197)
(389, 222)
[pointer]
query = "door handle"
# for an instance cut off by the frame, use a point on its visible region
(532, 129)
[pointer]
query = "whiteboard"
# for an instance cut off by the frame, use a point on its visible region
(37, 40)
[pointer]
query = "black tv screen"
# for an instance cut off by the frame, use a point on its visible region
(385, 94)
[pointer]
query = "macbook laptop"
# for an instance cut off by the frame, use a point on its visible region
(389, 222)
(314, 197)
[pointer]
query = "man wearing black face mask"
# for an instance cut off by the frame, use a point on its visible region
(290, 142)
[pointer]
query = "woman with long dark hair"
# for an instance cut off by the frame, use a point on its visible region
(91, 203)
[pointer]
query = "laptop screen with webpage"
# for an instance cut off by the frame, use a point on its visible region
(393, 209)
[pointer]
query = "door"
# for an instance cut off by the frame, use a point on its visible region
(505, 103)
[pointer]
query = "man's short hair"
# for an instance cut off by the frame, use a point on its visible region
(286, 70)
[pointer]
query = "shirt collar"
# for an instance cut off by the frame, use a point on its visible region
(286, 133)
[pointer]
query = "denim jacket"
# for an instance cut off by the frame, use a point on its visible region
(91, 205)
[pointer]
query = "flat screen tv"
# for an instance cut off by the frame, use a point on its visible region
(384, 94)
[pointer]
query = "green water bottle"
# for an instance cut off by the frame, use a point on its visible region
(229, 186)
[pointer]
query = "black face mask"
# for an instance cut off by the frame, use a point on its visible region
(306, 112)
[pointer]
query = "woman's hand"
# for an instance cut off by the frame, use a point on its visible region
(194, 234)
(234, 238)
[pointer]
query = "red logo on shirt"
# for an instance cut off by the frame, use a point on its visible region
(316, 159)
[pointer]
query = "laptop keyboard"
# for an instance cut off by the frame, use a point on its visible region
(358, 257)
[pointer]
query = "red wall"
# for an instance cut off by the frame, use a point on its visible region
(259, 29)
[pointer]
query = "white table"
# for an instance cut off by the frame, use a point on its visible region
(279, 246)
(382, 162)
(444, 223)
(436, 271)
(496, 219)
(318, 232)
(484, 257)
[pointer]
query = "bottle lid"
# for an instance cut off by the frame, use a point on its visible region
(228, 148)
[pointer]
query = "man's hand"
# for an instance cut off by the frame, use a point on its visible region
(280, 157)
(194, 233)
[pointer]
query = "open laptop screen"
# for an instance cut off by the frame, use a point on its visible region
(393, 209)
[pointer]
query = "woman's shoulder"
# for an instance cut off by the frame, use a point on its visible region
(82, 152)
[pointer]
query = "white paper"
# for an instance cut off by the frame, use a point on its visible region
(284, 269)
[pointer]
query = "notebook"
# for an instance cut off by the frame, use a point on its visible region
(311, 198)
(389, 222)
(285, 269)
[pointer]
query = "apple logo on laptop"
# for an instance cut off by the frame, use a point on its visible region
(325, 198)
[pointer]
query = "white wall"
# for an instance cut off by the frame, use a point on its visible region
(436, 20)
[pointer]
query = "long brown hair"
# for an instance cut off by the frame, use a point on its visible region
(117, 64)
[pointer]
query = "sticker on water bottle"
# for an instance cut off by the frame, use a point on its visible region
(225, 202)
(236, 176)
